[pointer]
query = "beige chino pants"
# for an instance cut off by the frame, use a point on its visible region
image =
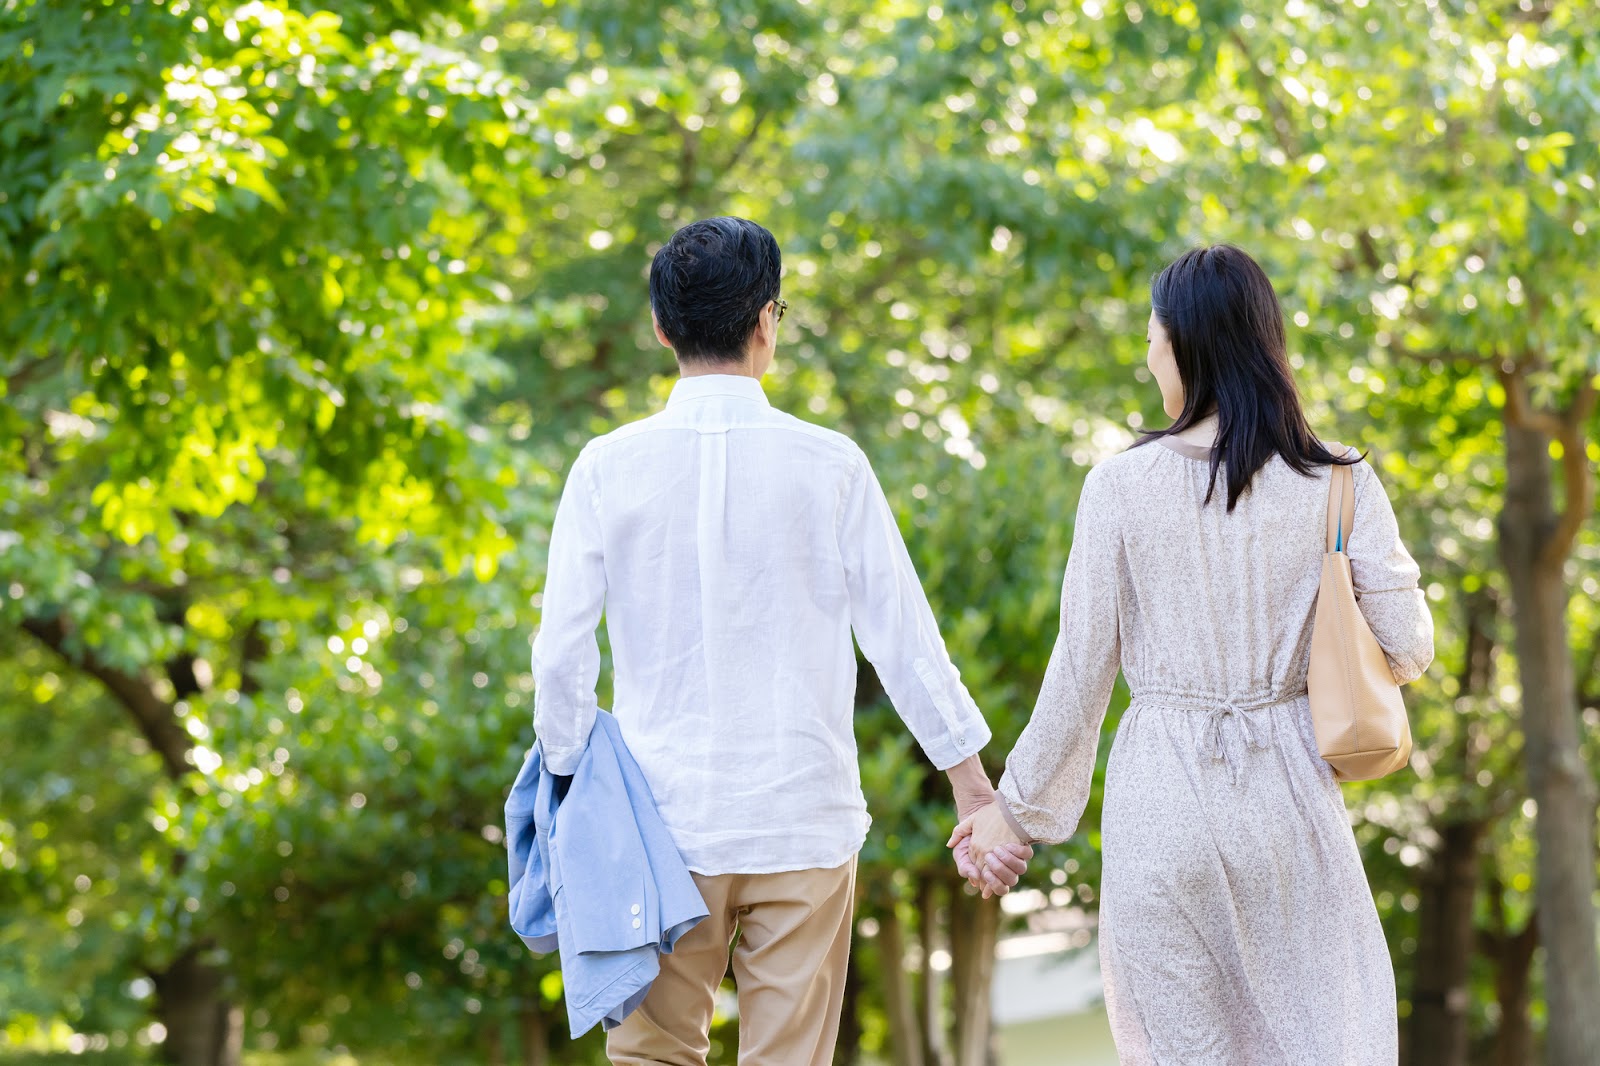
(789, 963)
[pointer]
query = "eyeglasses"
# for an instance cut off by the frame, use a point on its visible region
(782, 306)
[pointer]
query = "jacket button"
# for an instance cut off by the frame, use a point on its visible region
(635, 909)
(636, 923)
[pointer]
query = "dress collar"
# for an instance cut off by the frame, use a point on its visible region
(1185, 449)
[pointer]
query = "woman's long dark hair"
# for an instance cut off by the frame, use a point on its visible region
(1226, 327)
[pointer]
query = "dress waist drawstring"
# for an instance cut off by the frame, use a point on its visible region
(1212, 738)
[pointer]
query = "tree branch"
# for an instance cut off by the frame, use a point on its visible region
(1575, 473)
(1431, 356)
(1281, 126)
(1369, 251)
(686, 162)
(1588, 694)
(1501, 943)
(748, 140)
(23, 374)
(1519, 408)
(154, 716)
(252, 653)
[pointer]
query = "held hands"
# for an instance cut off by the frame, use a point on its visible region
(1004, 859)
(993, 851)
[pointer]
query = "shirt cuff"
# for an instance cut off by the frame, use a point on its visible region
(955, 748)
(562, 762)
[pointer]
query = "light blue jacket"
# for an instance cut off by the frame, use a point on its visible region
(595, 874)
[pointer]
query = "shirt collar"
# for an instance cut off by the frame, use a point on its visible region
(736, 386)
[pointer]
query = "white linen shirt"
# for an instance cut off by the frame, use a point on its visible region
(732, 549)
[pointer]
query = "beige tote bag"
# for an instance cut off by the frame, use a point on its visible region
(1356, 708)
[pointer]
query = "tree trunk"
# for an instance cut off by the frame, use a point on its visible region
(847, 1050)
(974, 930)
(935, 1048)
(533, 1034)
(1437, 1030)
(1558, 780)
(1512, 958)
(1437, 1033)
(203, 1029)
(905, 1034)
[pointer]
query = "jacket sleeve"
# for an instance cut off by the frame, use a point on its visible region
(1385, 579)
(896, 630)
(530, 906)
(1050, 771)
(566, 655)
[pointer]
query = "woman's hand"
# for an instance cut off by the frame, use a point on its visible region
(988, 852)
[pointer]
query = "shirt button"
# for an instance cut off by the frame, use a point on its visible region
(635, 909)
(636, 923)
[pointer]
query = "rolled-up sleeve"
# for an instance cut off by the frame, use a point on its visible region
(896, 630)
(1051, 770)
(1385, 579)
(566, 653)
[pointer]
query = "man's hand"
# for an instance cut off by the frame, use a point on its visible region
(994, 851)
(970, 785)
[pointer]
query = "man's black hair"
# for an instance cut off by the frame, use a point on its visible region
(709, 284)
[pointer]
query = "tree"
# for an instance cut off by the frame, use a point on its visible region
(1473, 272)
(236, 247)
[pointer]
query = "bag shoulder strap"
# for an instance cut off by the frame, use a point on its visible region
(1341, 506)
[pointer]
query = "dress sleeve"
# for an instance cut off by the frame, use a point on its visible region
(1050, 771)
(1385, 578)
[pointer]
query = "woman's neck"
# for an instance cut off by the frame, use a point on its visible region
(1203, 432)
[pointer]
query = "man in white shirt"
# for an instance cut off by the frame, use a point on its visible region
(733, 549)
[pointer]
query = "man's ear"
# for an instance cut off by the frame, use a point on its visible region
(765, 333)
(660, 336)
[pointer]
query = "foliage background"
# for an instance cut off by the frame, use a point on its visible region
(307, 306)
